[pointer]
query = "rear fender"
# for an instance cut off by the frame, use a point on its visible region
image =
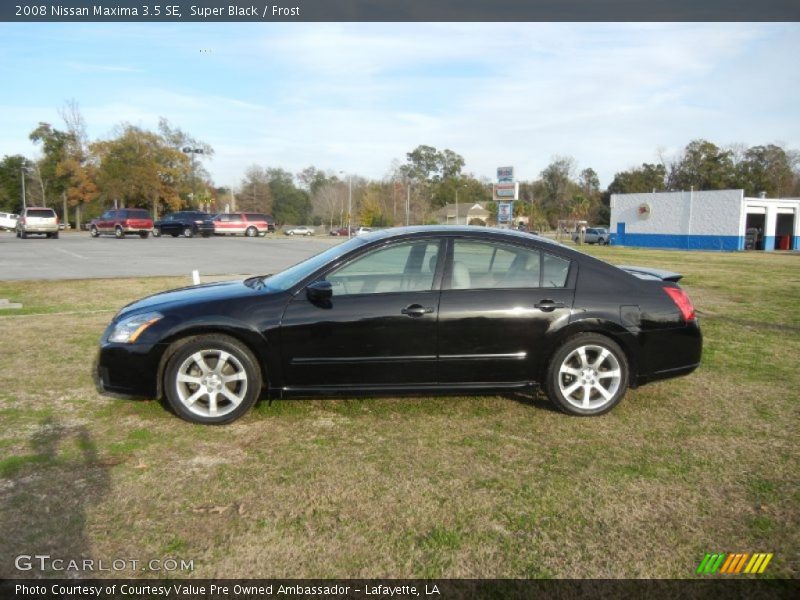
(611, 329)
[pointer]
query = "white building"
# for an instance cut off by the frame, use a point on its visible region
(711, 220)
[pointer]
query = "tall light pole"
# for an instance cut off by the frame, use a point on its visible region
(192, 151)
(22, 171)
(408, 200)
(349, 204)
(457, 188)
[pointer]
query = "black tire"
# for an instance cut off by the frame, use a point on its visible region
(587, 372)
(187, 232)
(118, 232)
(144, 234)
(156, 232)
(239, 360)
(23, 235)
(174, 233)
(93, 232)
(18, 234)
(251, 232)
(55, 236)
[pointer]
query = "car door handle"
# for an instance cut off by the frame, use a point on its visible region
(548, 305)
(416, 310)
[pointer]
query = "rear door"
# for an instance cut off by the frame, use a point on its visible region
(379, 327)
(498, 302)
(106, 221)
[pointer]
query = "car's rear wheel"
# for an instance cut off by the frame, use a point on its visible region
(187, 232)
(212, 379)
(251, 232)
(54, 236)
(144, 234)
(118, 233)
(588, 375)
(93, 232)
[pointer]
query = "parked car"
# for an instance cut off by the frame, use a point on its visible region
(362, 230)
(243, 223)
(121, 222)
(438, 309)
(593, 235)
(39, 220)
(302, 230)
(340, 231)
(8, 221)
(186, 222)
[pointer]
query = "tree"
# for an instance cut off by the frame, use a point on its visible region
(329, 201)
(290, 204)
(139, 168)
(646, 178)
(767, 169)
(557, 184)
(702, 166)
(254, 193)
(11, 182)
(54, 152)
(77, 166)
(197, 179)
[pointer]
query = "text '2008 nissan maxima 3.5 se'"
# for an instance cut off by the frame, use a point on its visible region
(415, 309)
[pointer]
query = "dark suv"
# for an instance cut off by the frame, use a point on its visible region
(186, 222)
(122, 222)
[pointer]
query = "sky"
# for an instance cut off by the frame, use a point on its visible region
(354, 97)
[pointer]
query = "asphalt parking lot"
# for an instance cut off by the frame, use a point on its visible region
(79, 256)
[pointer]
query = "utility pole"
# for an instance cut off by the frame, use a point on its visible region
(24, 170)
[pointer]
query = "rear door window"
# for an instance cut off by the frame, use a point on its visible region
(42, 213)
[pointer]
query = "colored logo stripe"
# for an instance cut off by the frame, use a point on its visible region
(732, 564)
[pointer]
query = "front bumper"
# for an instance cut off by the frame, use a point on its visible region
(128, 369)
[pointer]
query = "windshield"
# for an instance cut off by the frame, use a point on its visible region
(294, 275)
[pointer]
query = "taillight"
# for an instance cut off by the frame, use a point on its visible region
(682, 301)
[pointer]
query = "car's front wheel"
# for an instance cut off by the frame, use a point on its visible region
(156, 232)
(118, 233)
(187, 232)
(212, 379)
(251, 232)
(588, 375)
(93, 232)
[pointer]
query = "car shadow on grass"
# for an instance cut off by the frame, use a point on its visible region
(45, 495)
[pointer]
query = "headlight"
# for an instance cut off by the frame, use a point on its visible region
(128, 330)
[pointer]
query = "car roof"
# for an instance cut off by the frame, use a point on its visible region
(489, 232)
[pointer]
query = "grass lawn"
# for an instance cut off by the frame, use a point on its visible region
(490, 486)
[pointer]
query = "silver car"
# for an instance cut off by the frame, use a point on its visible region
(593, 235)
(37, 219)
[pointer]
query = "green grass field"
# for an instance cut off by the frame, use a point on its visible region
(490, 486)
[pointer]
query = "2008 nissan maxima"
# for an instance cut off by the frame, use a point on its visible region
(415, 309)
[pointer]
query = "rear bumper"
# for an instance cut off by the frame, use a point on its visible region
(40, 229)
(668, 353)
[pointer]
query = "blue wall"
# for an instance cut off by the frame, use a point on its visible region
(683, 242)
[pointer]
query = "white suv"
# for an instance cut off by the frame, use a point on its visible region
(37, 219)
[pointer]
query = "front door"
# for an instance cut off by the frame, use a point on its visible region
(378, 328)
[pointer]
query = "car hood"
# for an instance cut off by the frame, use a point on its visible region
(196, 294)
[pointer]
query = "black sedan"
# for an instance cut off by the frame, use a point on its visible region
(419, 309)
(186, 222)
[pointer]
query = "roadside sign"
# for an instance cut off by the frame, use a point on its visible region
(504, 212)
(506, 191)
(505, 174)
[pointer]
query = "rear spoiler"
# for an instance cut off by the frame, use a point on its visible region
(650, 273)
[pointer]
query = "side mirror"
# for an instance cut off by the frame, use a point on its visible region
(320, 291)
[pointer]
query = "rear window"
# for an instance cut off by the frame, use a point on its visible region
(258, 217)
(138, 214)
(41, 213)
